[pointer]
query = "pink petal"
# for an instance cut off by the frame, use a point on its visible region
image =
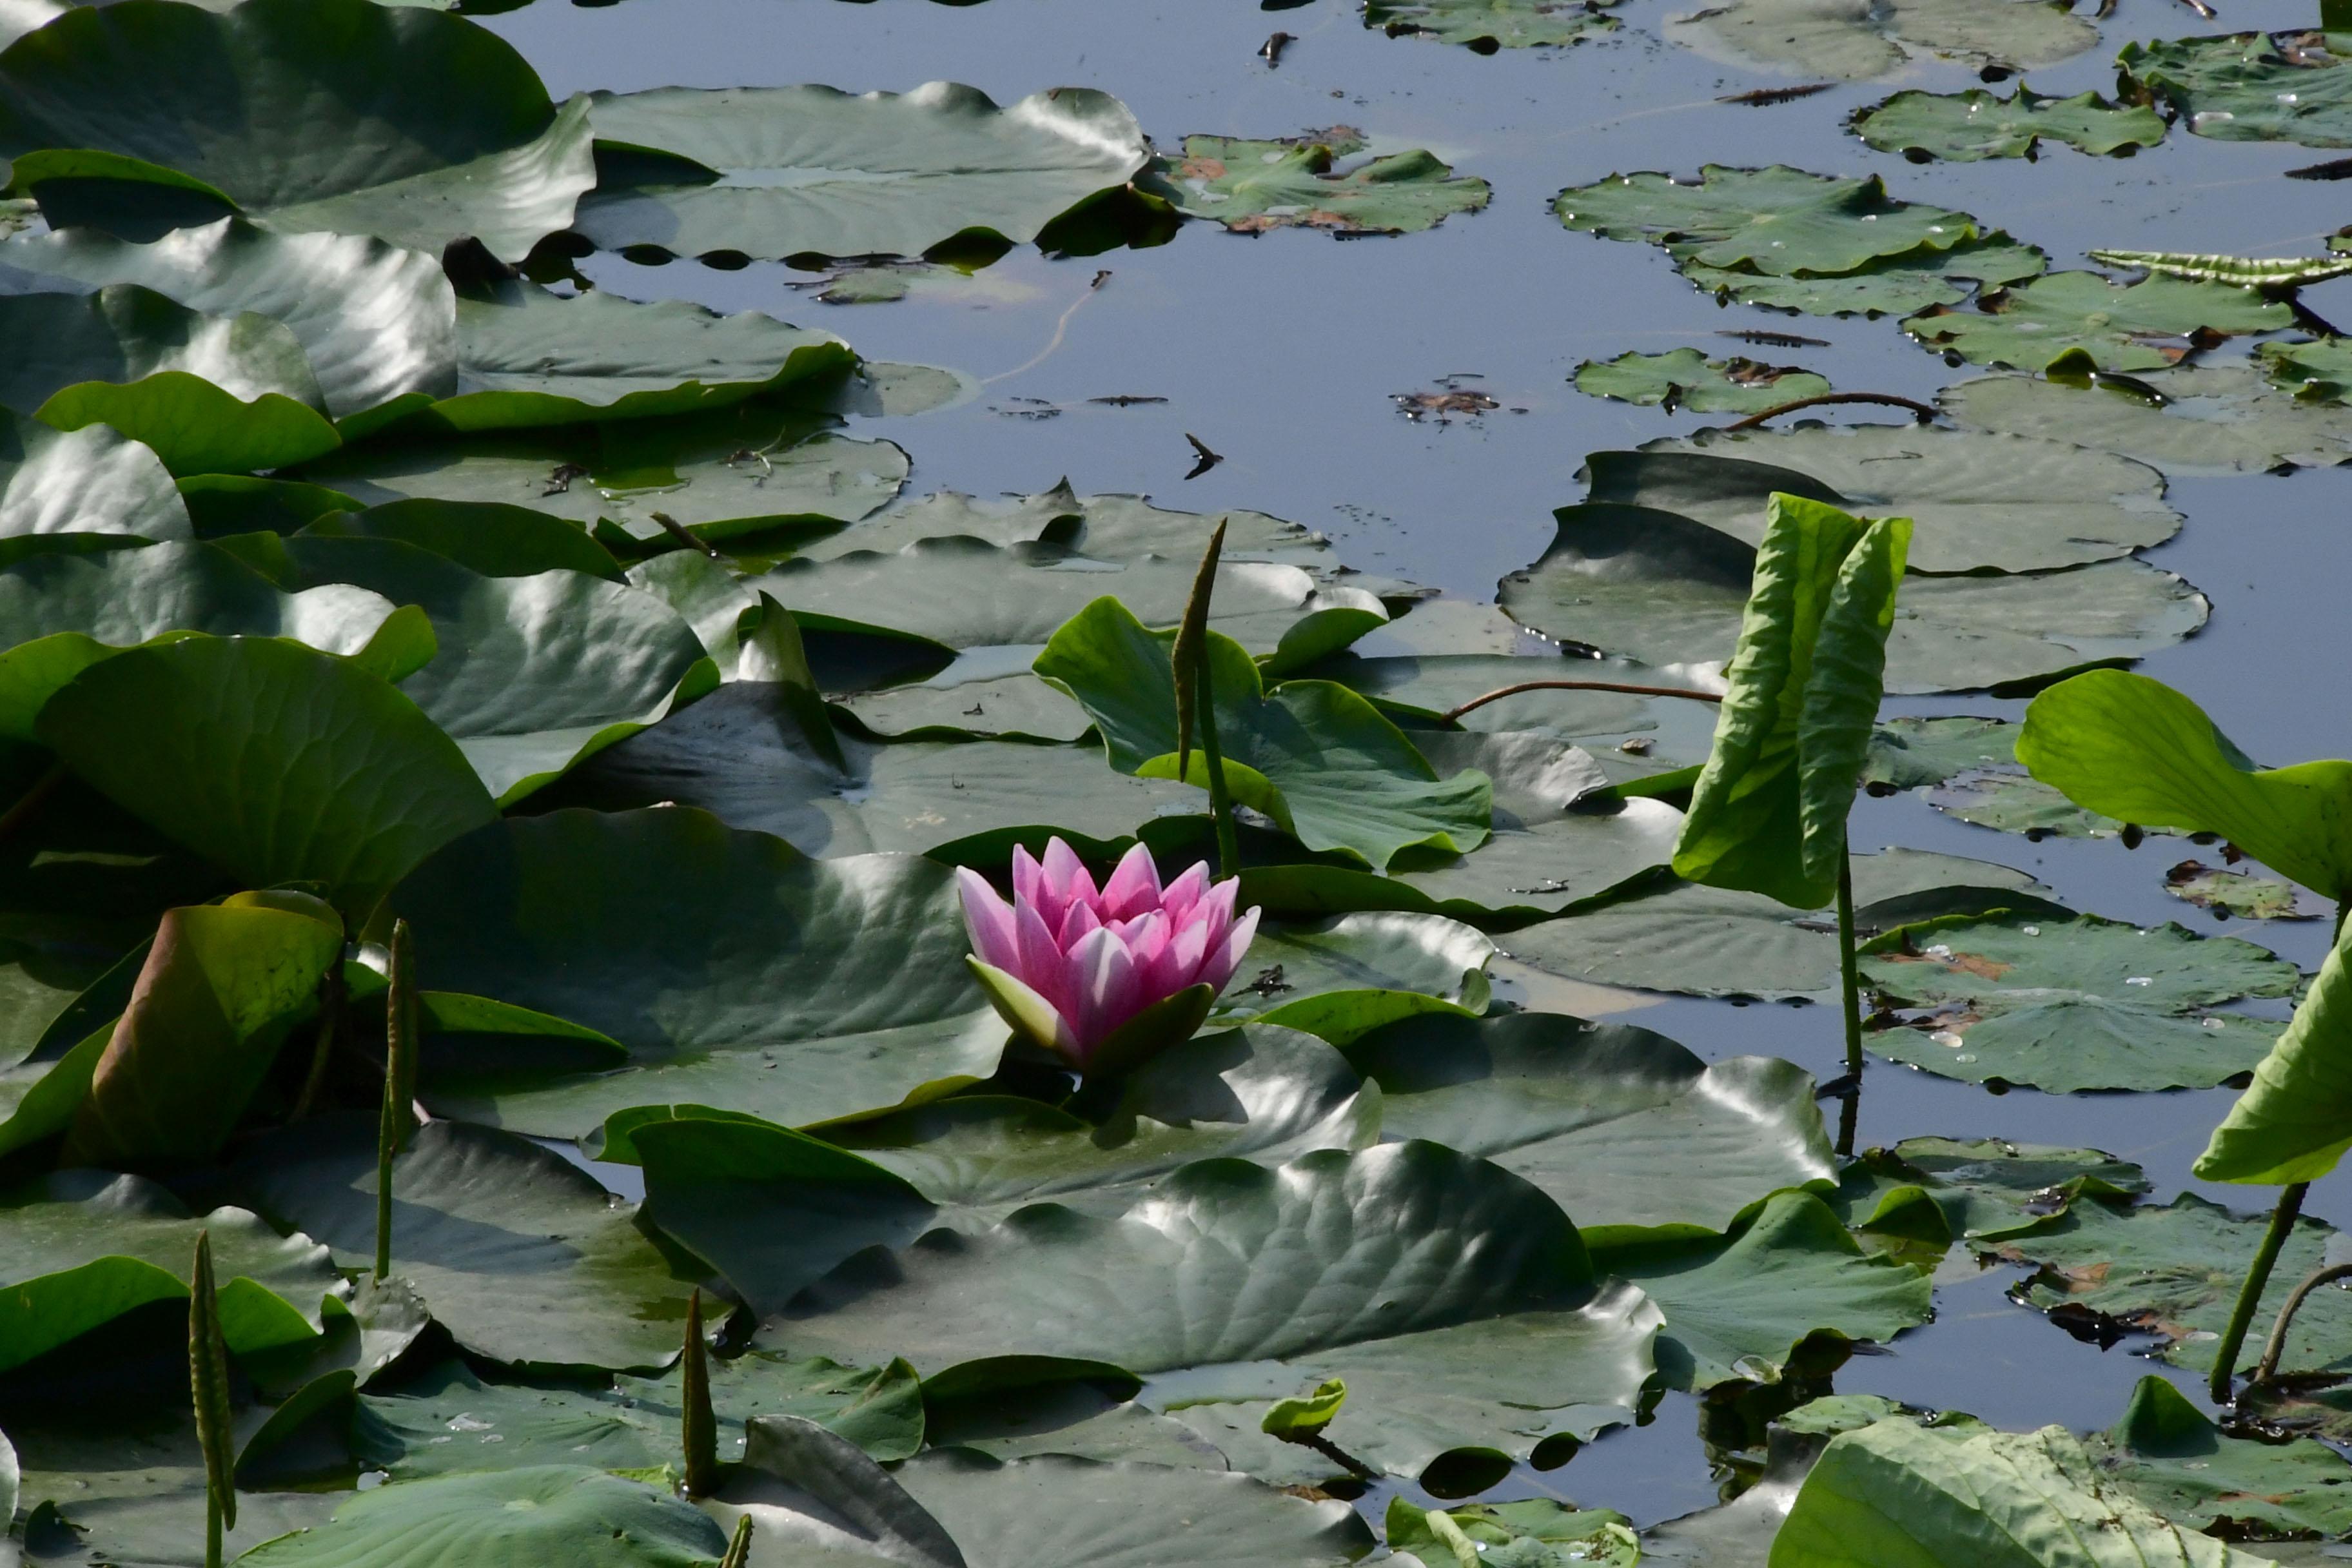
(1105, 987)
(988, 920)
(1176, 965)
(1146, 936)
(1215, 909)
(1219, 965)
(1040, 968)
(1076, 925)
(1134, 886)
(1025, 875)
(1182, 893)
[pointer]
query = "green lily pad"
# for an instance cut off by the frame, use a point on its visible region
(693, 945)
(1907, 752)
(534, 1513)
(1979, 502)
(1487, 25)
(1343, 977)
(2146, 325)
(1536, 1533)
(364, 786)
(799, 171)
(1966, 126)
(376, 321)
(2316, 372)
(2239, 893)
(1778, 221)
(87, 1246)
(1686, 378)
(1707, 941)
(1616, 1123)
(2008, 801)
(2173, 1458)
(2072, 1004)
(533, 674)
(2214, 418)
(1895, 286)
(2248, 87)
(2174, 1270)
(1746, 1305)
(1854, 42)
(1097, 527)
(518, 1252)
(91, 480)
(481, 536)
(1313, 755)
(1984, 1188)
(1497, 1333)
(1663, 589)
(415, 127)
(1253, 187)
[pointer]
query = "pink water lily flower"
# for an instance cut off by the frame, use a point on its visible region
(1068, 964)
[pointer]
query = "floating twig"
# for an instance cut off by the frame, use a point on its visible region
(1451, 714)
(1126, 400)
(2333, 169)
(1763, 339)
(1921, 411)
(1765, 97)
(686, 536)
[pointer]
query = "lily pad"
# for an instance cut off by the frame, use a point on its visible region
(481, 536)
(1896, 286)
(2072, 1004)
(1964, 127)
(405, 123)
(1487, 25)
(812, 171)
(1979, 501)
(91, 480)
(531, 1513)
(1777, 221)
(1907, 752)
(1097, 527)
(2009, 801)
(2239, 893)
(2174, 1459)
(1616, 1123)
(1252, 187)
(2212, 419)
(736, 970)
(1481, 1324)
(376, 321)
(1663, 589)
(518, 1252)
(1343, 977)
(1853, 41)
(2318, 371)
(2146, 325)
(1985, 1188)
(2248, 87)
(1685, 378)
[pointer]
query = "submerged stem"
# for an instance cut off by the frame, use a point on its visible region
(1481, 700)
(2250, 1295)
(330, 1018)
(399, 1074)
(1919, 410)
(2276, 1345)
(1850, 991)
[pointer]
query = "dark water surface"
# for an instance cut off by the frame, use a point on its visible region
(1282, 352)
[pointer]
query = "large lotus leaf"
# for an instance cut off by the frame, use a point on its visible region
(1252, 187)
(208, 394)
(2175, 1269)
(220, 990)
(1455, 1301)
(774, 1210)
(1777, 221)
(448, 1419)
(750, 470)
(1686, 378)
(967, 701)
(1853, 40)
(84, 1247)
(1342, 977)
(1706, 941)
(1984, 1188)
(793, 170)
(1487, 26)
(1979, 501)
(91, 480)
(736, 970)
(2174, 1459)
(2212, 418)
(2067, 1005)
(376, 321)
(537, 1513)
(481, 536)
(1099, 527)
(2292, 1123)
(1802, 694)
(1316, 757)
(529, 357)
(1966, 126)
(274, 762)
(1665, 590)
(301, 115)
(1907, 752)
(1740, 1305)
(1894, 1495)
(1618, 1124)
(2134, 750)
(1894, 286)
(2249, 87)
(533, 674)
(2146, 325)
(515, 1250)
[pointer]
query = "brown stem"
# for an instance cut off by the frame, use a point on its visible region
(2275, 1346)
(686, 535)
(330, 1019)
(1453, 713)
(1333, 1452)
(30, 801)
(1926, 414)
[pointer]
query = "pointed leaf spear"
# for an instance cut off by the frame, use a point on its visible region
(1196, 697)
(208, 1382)
(700, 1421)
(399, 1086)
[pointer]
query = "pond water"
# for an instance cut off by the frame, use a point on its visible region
(1282, 352)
